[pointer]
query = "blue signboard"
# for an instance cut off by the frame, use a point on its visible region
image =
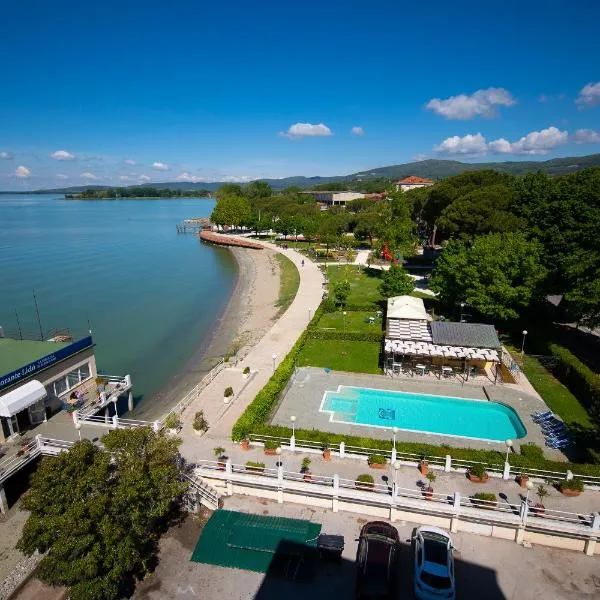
(43, 363)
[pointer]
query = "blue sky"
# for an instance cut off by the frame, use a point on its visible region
(130, 91)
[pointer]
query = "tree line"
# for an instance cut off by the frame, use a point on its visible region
(138, 192)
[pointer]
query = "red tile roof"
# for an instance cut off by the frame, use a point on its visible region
(412, 180)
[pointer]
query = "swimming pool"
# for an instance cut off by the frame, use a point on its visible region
(442, 415)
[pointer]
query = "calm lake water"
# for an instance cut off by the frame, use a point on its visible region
(151, 296)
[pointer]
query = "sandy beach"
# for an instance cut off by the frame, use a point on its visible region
(248, 315)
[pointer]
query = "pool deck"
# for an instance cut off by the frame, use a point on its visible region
(305, 393)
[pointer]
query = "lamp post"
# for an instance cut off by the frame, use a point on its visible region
(78, 427)
(279, 459)
(293, 420)
(529, 486)
(274, 357)
(344, 313)
(396, 465)
(394, 432)
(509, 444)
(462, 305)
(523, 342)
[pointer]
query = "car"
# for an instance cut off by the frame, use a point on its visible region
(377, 561)
(434, 564)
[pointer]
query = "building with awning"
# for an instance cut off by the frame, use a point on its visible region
(38, 377)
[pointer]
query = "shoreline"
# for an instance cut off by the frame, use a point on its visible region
(243, 320)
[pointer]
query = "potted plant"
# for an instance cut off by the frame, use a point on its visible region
(364, 482)
(221, 458)
(477, 473)
(172, 423)
(305, 469)
(428, 491)
(326, 452)
(246, 372)
(271, 447)
(485, 500)
(101, 382)
(227, 395)
(424, 467)
(200, 424)
(255, 467)
(376, 461)
(539, 509)
(522, 479)
(570, 487)
(245, 442)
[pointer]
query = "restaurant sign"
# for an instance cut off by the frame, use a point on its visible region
(40, 364)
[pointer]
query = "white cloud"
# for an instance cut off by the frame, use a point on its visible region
(124, 177)
(419, 157)
(468, 145)
(6, 156)
(589, 95)
(22, 171)
(185, 176)
(357, 131)
(62, 155)
(143, 178)
(536, 142)
(586, 136)
(61, 176)
(159, 166)
(300, 130)
(237, 178)
(90, 176)
(129, 161)
(482, 103)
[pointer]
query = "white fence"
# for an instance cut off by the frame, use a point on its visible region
(454, 511)
(447, 463)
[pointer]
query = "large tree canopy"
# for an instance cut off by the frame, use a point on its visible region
(231, 210)
(396, 282)
(99, 513)
(498, 274)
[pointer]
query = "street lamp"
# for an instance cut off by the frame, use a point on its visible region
(78, 427)
(344, 313)
(529, 486)
(293, 420)
(509, 444)
(274, 357)
(462, 305)
(523, 343)
(396, 466)
(279, 460)
(394, 432)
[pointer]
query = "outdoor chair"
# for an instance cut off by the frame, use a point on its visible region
(544, 417)
(542, 414)
(548, 427)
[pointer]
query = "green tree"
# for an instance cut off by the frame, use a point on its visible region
(229, 189)
(396, 282)
(231, 210)
(98, 513)
(341, 291)
(367, 225)
(286, 226)
(498, 274)
(258, 189)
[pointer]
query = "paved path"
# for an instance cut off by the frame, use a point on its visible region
(277, 342)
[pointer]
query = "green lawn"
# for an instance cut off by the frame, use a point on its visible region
(341, 355)
(288, 282)
(364, 284)
(555, 394)
(353, 321)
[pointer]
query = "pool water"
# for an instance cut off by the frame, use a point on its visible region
(443, 415)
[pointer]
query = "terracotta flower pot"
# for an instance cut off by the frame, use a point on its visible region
(523, 479)
(364, 485)
(424, 467)
(271, 451)
(307, 476)
(428, 493)
(245, 444)
(377, 465)
(475, 479)
(539, 510)
(221, 465)
(255, 469)
(327, 454)
(570, 493)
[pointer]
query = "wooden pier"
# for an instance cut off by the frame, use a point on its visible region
(193, 225)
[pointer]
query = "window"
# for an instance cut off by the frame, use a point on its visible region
(84, 371)
(60, 386)
(72, 379)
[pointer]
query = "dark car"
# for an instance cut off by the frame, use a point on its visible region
(377, 561)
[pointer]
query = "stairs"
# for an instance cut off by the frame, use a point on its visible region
(200, 493)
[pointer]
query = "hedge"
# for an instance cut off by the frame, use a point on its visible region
(332, 306)
(579, 378)
(350, 336)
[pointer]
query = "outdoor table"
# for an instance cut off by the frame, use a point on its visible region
(371, 320)
(330, 546)
(447, 371)
(420, 368)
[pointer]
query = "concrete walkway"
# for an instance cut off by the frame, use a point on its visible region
(262, 360)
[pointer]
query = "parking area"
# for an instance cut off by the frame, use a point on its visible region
(485, 568)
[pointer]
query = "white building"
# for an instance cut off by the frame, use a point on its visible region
(336, 198)
(412, 182)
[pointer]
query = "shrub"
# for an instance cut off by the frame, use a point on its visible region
(365, 478)
(431, 476)
(255, 465)
(271, 445)
(218, 451)
(228, 392)
(532, 452)
(376, 459)
(246, 371)
(329, 305)
(200, 423)
(100, 380)
(172, 421)
(305, 464)
(477, 470)
(351, 336)
(575, 485)
(487, 496)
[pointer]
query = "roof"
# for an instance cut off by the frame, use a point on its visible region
(413, 179)
(15, 354)
(472, 335)
(406, 307)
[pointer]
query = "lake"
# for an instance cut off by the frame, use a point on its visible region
(150, 296)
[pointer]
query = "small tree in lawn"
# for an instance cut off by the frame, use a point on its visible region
(396, 282)
(341, 291)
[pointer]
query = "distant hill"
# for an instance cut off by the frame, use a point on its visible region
(432, 169)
